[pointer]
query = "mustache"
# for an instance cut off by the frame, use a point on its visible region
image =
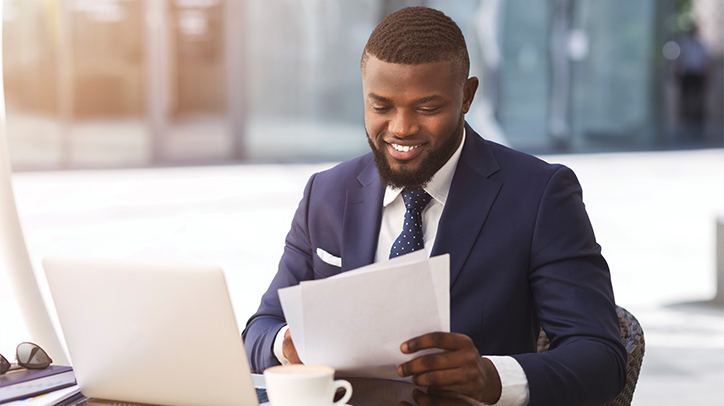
(419, 177)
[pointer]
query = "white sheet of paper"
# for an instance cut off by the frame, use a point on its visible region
(440, 271)
(291, 300)
(439, 267)
(356, 321)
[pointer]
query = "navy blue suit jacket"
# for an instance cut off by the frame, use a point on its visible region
(522, 255)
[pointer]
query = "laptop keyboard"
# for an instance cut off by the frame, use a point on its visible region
(261, 395)
(83, 401)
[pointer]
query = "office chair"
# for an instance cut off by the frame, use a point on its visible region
(633, 338)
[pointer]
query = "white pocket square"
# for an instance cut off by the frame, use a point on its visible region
(329, 258)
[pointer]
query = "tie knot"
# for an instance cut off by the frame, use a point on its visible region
(416, 199)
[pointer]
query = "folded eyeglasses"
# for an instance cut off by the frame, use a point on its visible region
(28, 355)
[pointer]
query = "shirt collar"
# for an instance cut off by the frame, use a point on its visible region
(439, 185)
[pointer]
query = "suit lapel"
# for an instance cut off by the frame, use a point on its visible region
(470, 199)
(362, 218)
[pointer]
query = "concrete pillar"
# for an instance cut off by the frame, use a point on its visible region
(65, 82)
(157, 85)
(237, 55)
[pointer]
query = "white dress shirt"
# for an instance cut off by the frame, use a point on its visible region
(512, 377)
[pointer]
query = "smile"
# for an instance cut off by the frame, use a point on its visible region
(404, 152)
(404, 148)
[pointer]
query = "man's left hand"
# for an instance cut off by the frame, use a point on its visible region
(459, 368)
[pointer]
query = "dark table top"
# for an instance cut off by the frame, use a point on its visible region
(380, 392)
(365, 392)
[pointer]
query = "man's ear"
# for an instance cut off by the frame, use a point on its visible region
(471, 86)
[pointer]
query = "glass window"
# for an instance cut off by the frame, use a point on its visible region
(30, 70)
(99, 83)
(102, 62)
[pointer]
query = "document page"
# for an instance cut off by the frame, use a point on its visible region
(355, 322)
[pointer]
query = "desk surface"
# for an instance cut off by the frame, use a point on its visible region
(379, 392)
(365, 392)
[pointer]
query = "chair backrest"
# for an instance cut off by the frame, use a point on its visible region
(633, 338)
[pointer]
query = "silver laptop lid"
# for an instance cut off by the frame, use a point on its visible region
(150, 333)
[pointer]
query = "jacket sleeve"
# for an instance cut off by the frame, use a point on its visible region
(571, 287)
(295, 266)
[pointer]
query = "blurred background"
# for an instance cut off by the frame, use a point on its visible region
(119, 83)
(185, 131)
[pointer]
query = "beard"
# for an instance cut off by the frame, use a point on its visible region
(419, 178)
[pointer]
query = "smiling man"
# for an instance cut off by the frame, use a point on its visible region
(414, 117)
(522, 251)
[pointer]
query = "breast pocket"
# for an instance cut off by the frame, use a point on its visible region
(323, 269)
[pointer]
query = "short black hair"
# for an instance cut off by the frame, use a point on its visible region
(415, 35)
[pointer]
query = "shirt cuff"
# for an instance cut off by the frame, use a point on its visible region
(513, 381)
(279, 346)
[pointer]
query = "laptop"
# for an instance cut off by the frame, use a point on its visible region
(149, 333)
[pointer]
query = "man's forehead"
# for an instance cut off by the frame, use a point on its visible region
(426, 80)
(377, 70)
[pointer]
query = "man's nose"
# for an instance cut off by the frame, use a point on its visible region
(403, 124)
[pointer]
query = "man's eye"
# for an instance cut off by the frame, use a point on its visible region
(380, 109)
(428, 110)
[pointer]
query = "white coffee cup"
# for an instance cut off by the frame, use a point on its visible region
(304, 385)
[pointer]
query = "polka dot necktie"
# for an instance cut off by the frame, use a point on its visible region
(410, 238)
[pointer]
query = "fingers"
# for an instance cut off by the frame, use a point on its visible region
(460, 353)
(445, 379)
(459, 368)
(462, 381)
(288, 349)
(438, 361)
(445, 341)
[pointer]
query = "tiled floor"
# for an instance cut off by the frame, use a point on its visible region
(654, 216)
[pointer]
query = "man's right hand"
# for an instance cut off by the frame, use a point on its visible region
(290, 353)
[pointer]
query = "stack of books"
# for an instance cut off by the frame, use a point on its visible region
(50, 386)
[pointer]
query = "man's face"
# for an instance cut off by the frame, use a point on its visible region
(414, 117)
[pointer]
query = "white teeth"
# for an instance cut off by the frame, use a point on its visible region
(404, 148)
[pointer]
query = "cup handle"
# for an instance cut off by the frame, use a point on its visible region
(341, 383)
